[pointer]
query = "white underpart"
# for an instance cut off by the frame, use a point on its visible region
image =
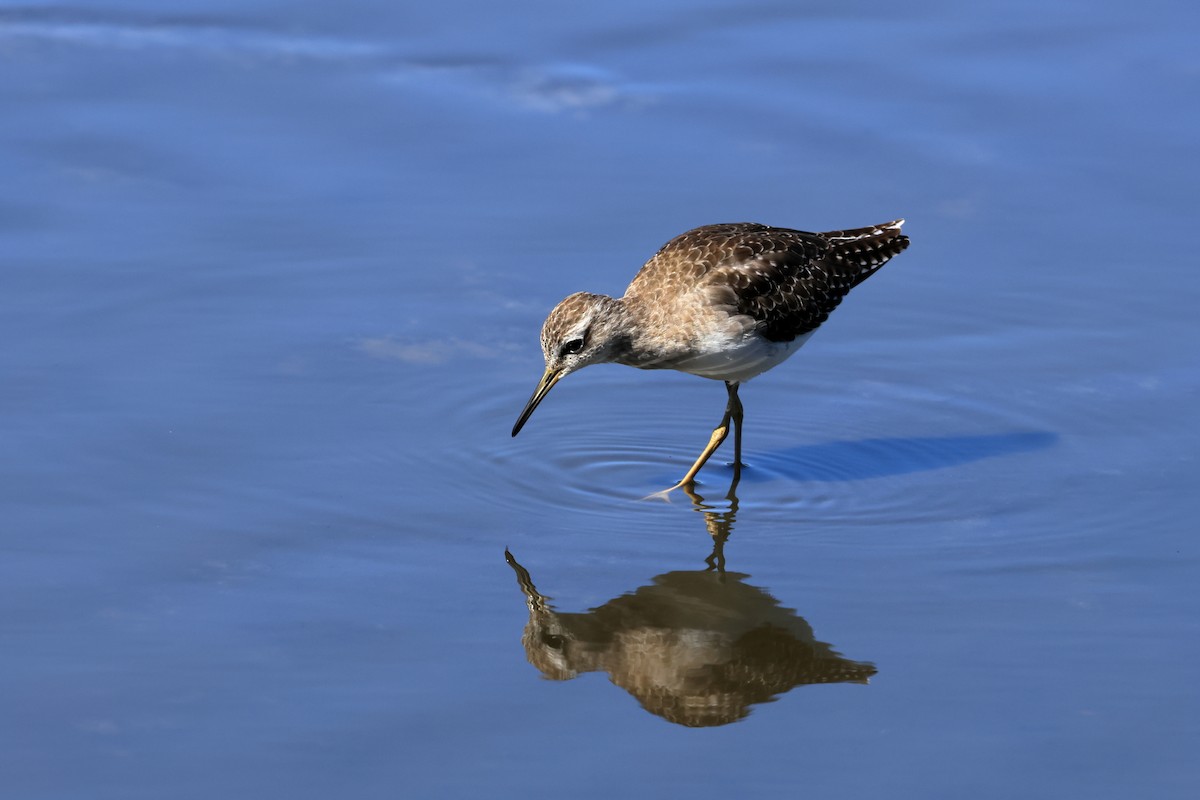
(737, 359)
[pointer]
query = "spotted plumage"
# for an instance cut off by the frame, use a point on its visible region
(726, 302)
(786, 281)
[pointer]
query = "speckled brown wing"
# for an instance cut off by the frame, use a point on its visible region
(680, 263)
(787, 281)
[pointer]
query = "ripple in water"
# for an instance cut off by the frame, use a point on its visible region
(593, 450)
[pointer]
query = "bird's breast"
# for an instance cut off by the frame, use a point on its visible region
(732, 359)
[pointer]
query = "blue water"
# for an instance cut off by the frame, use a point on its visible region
(271, 280)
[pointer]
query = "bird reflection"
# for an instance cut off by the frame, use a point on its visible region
(718, 522)
(697, 648)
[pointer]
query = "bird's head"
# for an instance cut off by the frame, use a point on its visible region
(581, 330)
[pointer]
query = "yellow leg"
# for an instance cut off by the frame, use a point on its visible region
(733, 411)
(718, 436)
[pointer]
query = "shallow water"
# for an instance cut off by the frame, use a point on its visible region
(272, 283)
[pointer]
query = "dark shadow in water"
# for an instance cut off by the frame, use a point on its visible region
(877, 458)
(697, 648)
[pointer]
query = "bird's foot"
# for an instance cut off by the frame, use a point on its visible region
(687, 485)
(664, 495)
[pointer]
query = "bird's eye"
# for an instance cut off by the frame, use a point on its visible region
(571, 346)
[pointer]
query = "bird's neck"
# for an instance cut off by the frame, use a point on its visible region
(634, 346)
(614, 323)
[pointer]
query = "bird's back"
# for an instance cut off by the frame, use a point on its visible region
(787, 281)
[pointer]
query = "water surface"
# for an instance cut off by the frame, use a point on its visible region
(271, 286)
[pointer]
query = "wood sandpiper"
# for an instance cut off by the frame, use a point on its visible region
(725, 302)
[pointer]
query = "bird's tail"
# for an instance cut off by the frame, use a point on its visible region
(864, 250)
